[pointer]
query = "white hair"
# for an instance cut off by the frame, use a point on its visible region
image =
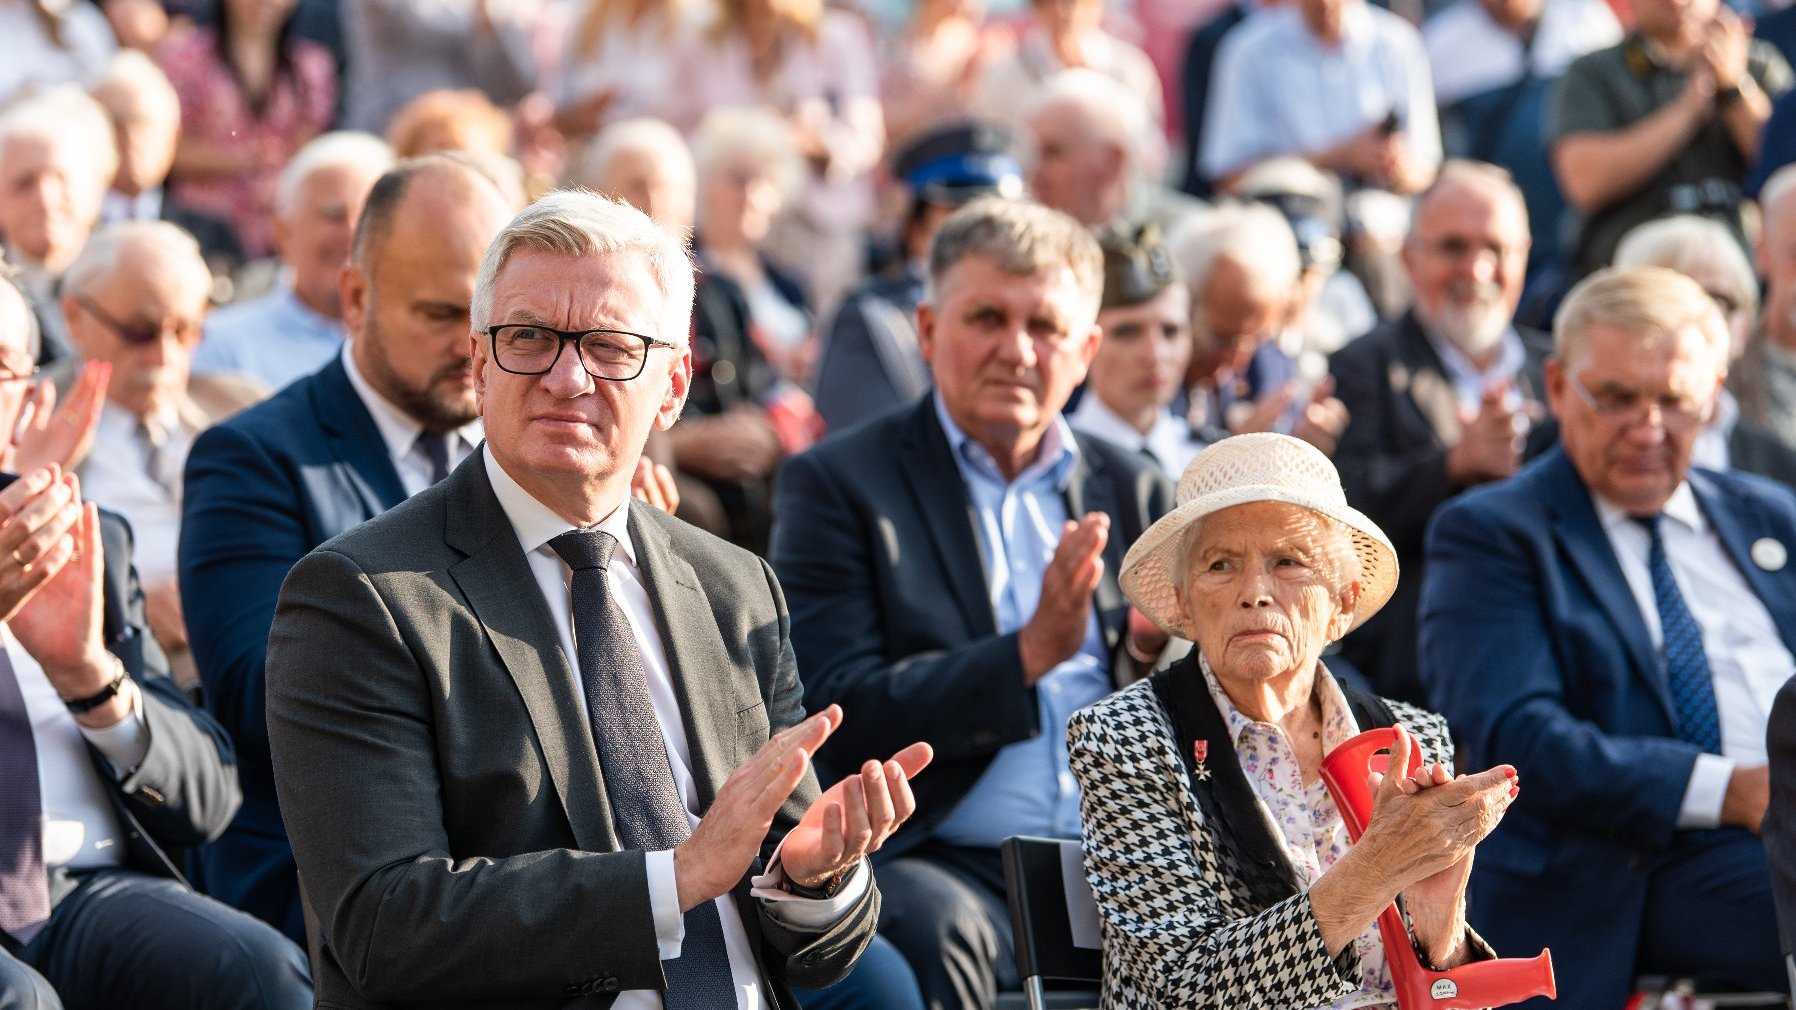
(730, 131)
(1688, 243)
(138, 79)
(99, 259)
(1253, 236)
(641, 135)
(578, 223)
(66, 114)
(1778, 188)
(1117, 114)
(337, 149)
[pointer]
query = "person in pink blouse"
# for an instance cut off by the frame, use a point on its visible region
(251, 95)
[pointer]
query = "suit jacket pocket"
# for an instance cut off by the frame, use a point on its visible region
(751, 732)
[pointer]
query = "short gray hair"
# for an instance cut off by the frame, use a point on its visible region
(98, 262)
(62, 114)
(1647, 301)
(1117, 114)
(642, 134)
(1470, 174)
(579, 223)
(1687, 243)
(337, 149)
(729, 131)
(1020, 238)
(1253, 236)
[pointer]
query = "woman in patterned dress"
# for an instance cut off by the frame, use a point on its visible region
(1220, 863)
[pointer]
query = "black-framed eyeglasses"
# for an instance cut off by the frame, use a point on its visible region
(612, 355)
(186, 331)
(1625, 408)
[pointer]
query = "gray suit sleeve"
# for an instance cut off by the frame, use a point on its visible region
(350, 721)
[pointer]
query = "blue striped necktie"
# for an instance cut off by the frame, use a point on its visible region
(1686, 663)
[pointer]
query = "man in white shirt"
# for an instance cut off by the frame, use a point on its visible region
(294, 329)
(1339, 82)
(134, 300)
(383, 419)
(1618, 623)
(572, 746)
(107, 766)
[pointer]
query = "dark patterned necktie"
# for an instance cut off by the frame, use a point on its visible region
(645, 807)
(1686, 663)
(24, 888)
(435, 449)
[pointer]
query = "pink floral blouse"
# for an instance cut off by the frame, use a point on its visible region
(215, 108)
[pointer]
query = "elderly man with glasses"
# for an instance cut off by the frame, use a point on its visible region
(1615, 622)
(134, 301)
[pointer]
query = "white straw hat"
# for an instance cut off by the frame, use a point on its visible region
(1264, 466)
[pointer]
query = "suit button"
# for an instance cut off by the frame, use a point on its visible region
(610, 984)
(152, 796)
(572, 990)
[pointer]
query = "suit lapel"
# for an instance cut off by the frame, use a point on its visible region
(1221, 787)
(501, 590)
(696, 657)
(927, 463)
(1428, 386)
(1581, 536)
(356, 440)
(1088, 490)
(1739, 523)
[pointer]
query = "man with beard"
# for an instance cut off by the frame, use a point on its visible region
(1439, 399)
(386, 418)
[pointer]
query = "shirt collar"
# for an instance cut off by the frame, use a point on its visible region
(536, 524)
(1506, 365)
(1337, 716)
(1681, 508)
(1054, 458)
(1166, 438)
(398, 429)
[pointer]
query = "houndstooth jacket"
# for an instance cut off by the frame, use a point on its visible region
(1187, 922)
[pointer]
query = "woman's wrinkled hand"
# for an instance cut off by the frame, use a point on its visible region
(1429, 823)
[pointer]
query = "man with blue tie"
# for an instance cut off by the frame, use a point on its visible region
(380, 422)
(1616, 624)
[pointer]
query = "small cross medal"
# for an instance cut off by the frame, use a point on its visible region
(1201, 750)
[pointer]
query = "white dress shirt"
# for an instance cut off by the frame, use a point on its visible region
(1170, 441)
(1470, 54)
(1277, 90)
(142, 482)
(1747, 660)
(145, 206)
(81, 828)
(536, 524)
(400, 432)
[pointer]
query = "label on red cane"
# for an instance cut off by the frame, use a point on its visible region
(1443, 988)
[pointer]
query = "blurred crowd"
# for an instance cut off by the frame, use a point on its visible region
(1344, 221)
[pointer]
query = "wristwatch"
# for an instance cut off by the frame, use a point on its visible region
(829, 890)
(104, 695)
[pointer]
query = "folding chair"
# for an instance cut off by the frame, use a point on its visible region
(1055, 920)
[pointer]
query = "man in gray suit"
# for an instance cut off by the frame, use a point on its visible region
(505, 793)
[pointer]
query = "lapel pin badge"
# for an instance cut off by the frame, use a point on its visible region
(1201, 750)
(1769, 554)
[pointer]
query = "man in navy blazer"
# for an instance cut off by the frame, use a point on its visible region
(331, 450)
(1615, 624)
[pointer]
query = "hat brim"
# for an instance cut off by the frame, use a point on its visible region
(1147, 568)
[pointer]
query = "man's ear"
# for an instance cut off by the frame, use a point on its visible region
(352, 286)
(678, 385)
(926, 332)
(76, 319)
(477, 352)
(1554, 374)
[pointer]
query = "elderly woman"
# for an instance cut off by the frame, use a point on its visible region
(1221, 866)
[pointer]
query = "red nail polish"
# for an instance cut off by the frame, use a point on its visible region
(1514, 791)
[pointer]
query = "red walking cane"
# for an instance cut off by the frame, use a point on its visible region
(1468, 987)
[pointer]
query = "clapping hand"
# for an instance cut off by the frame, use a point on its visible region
(38, 517)
(49, 433)
(853, 818)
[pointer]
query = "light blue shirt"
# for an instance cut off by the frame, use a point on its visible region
(1277, 90)
(1028, 788)
(275, 338)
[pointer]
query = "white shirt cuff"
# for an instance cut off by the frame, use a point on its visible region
(125, 743)
(808, 914)
(1705, 792)
(664, 904)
